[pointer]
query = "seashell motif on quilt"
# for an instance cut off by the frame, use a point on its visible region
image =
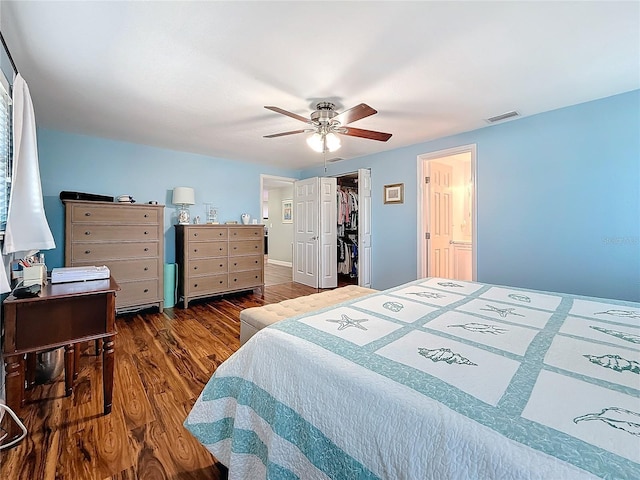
(519, 297)
(393, 306)
(427, 294)
(615, 362)
(620, 313)
(445, 355)
(616, 417)
(481, 328)
(629, 337)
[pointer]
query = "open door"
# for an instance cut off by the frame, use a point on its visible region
(440, 214)
(315, 224)
(364, 227)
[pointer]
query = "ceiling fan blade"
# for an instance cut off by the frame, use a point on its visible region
(289, 114)
(287, 133)
(370, 134)
(356, 113)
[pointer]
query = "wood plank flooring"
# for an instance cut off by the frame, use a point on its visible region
(162, 362)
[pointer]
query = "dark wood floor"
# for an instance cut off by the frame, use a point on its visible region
(163, 361)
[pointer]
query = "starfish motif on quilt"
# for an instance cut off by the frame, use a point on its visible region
(346, 322)
(503, 312)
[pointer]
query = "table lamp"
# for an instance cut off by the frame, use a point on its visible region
(183, 196)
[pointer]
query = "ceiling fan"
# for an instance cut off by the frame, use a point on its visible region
(325, 122)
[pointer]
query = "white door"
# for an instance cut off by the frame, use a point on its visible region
(314, 224)
(364, 227)
(328, 233)
(305, 227)
(440, 220)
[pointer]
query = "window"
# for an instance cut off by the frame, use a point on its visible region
(5, 150)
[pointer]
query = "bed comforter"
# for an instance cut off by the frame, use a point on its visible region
(434, 379)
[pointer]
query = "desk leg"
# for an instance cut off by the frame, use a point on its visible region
(107, 373)
(69, 368)
(14, 380)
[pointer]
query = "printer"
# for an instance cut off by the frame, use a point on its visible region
(79, 274)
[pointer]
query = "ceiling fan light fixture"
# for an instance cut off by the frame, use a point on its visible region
(333, 141)
(316, 142)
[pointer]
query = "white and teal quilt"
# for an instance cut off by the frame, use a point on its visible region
(434, 379)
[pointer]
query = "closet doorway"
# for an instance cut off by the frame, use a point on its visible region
(354, 228)
(447, 214)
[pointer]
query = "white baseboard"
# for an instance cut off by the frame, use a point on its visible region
(279, 262)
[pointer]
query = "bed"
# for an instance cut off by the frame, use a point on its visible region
(433, 379)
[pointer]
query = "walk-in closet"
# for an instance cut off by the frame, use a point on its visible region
(347, 232)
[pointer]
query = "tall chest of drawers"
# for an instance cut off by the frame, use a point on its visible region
(128, 238)
(218, 259)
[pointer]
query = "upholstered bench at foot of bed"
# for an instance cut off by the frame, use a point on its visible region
(256, 318)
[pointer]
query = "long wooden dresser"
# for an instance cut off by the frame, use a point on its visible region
(126, 237)
(218, 259)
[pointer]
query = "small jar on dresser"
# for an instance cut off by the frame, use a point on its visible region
(126, 237)
(218, 259)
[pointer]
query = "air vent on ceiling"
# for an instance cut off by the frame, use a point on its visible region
(504, 116)
(335, 159)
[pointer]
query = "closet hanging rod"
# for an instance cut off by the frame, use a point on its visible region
(6, 49)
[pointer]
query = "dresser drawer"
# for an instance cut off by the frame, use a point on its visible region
(208, 266)
(204, 250)
(204, 285)
(127, 270)
(251, 278)
(238, 264)
(98, 253)
(206, 234)
(137, 293)
(246, 247)
(86, 213)
(106, 233)
(245, 233)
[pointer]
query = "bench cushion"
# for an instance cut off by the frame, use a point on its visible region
(256, 318)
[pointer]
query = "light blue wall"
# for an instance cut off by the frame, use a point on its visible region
(558, 195)
(96, 165)
(558, 201)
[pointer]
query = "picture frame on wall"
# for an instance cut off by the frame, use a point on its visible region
(394, 193)
(287, 211)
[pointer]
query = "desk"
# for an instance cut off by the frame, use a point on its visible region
(61, 316)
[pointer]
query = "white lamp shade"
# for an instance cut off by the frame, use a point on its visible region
(183, 196)
(315, 142)
(333, 141)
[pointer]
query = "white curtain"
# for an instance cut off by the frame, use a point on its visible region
(27, 228)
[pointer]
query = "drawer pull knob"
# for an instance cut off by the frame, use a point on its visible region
(87, 232)
(87, 252)
(146, 249)
(235, 263)
(146, 269)
(235, 248)
(146, 215)
(256, 276)
(195, 250)
(235, 279)
(195, 285)
(220, 248)
(220, 282)
(146, 290)
(146, 233)
(195, 268)
(221, 264)
(195, 234)
(87, 214)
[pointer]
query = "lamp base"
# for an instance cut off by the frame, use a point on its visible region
(183, 217)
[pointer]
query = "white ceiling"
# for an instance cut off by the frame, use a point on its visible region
(195, 76)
